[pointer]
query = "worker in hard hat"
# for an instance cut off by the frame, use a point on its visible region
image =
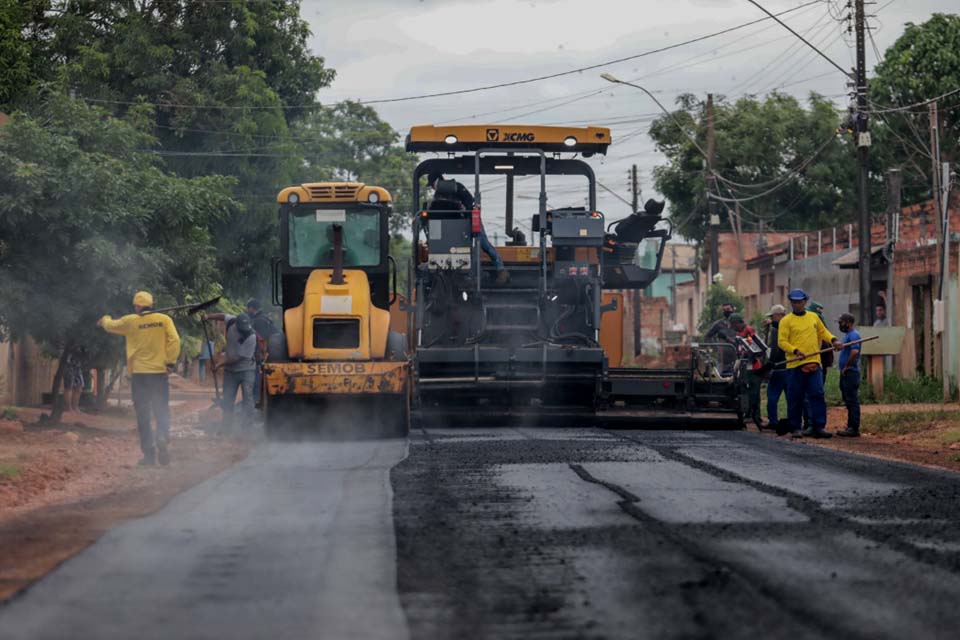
(799, 335)
(152, 349)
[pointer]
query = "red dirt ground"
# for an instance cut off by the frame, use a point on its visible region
(62, 486)
(926, 446)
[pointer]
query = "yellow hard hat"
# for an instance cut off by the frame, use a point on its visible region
(143, 299)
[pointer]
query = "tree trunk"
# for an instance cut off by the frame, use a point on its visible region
(56, 403)
(101, 389)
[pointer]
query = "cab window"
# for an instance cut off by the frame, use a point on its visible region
(311, 236)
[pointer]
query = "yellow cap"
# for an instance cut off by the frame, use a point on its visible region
(143, 299)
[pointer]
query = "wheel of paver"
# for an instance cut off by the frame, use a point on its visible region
(277, 347)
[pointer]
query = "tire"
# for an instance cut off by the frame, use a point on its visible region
(277, 347)
(396, 346)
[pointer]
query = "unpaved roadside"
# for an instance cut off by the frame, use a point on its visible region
(63, 486)
(932, 444)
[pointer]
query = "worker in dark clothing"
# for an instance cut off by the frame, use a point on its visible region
(721, 331)
(721, 327)
(264, 328)
(753, 375)
(826, 361)
(153, 346)
(465, 198)
(239, 368)
(849, 363)
(261, 322)
(777, 382)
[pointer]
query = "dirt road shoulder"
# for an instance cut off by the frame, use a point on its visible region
(63, 486)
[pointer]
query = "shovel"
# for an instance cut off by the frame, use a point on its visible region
(816, 353)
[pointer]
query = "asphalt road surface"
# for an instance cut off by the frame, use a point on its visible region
(526, 533)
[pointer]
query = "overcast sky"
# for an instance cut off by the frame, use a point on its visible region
(395, 48)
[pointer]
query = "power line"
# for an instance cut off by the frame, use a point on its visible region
(777, 186)
(910, 107)
(500, 85)
(787, 27)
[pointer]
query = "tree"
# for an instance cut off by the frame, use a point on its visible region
(922, 64)
(349, 141)
(23, 60)
(226, 78)
(718, 294)
(87, 217)
(758, 141)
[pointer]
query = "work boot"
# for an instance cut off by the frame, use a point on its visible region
(796, 434)
(809, 432)
(849, 433)
(821, 434)
(163, 454)
(503, 277)
(782, 428)
(148, 460)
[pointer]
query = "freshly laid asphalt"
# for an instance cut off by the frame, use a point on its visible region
(526, 533)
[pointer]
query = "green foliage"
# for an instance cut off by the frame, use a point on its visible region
(235, 87)
(922, 389)
(901, 422)
(401, 249)
(8, 413)
(717, 296)
(923, 63)
(88, 216)
(350, 142)
(9, 471)
(757, 140)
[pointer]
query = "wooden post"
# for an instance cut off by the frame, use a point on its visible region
(875, 366)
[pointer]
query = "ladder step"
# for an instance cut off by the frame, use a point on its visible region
(511, 327)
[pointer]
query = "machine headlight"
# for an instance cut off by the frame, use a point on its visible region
(373, 198)
(450, 139)
(293, 198)
(570, 141)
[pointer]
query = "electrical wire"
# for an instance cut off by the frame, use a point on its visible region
(787, 27)
(910, 107)
(778, 185)
(501, 85)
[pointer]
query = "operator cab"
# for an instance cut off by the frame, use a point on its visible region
(311, 217)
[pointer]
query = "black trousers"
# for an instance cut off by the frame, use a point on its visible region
(151, 396)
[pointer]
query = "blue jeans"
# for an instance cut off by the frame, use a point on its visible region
(850, 390)
(232, 381)
(776, 386)
(806, 387)
(490, 250)
(806, 402)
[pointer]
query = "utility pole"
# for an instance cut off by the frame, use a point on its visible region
(893, 215)
(935, 174)
(634, 189)
(863, 160)
(712, 190)
(893, 208)
(938, 280)
(508, 212)
(673, 286)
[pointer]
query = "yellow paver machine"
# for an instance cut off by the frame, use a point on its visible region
(336, 368)
(542, 341)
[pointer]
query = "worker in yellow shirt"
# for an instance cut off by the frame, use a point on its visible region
(152, 349)
(800, 335)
